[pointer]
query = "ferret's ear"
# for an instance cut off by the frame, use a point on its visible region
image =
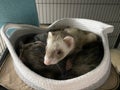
(69, 41)
(50, 34)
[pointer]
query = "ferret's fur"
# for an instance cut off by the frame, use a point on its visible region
(88, 58)
(32, 55)
(62, 43)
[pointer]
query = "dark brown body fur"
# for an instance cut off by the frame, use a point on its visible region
(88, 59)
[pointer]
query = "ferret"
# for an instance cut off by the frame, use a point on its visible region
(32, 55)
(64, 42)
(31, 50)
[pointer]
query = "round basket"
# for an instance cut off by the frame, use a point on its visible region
(88, 81)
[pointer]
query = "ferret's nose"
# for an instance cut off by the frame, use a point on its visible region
(47, 61)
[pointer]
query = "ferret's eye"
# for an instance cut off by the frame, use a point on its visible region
(59, 52)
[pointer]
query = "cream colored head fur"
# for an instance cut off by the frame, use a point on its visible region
(58, 46)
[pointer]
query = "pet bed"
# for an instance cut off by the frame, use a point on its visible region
(88, 81)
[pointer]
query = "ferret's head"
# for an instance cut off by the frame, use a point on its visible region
(58, 46)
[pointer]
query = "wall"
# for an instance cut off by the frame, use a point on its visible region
(103, 10)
